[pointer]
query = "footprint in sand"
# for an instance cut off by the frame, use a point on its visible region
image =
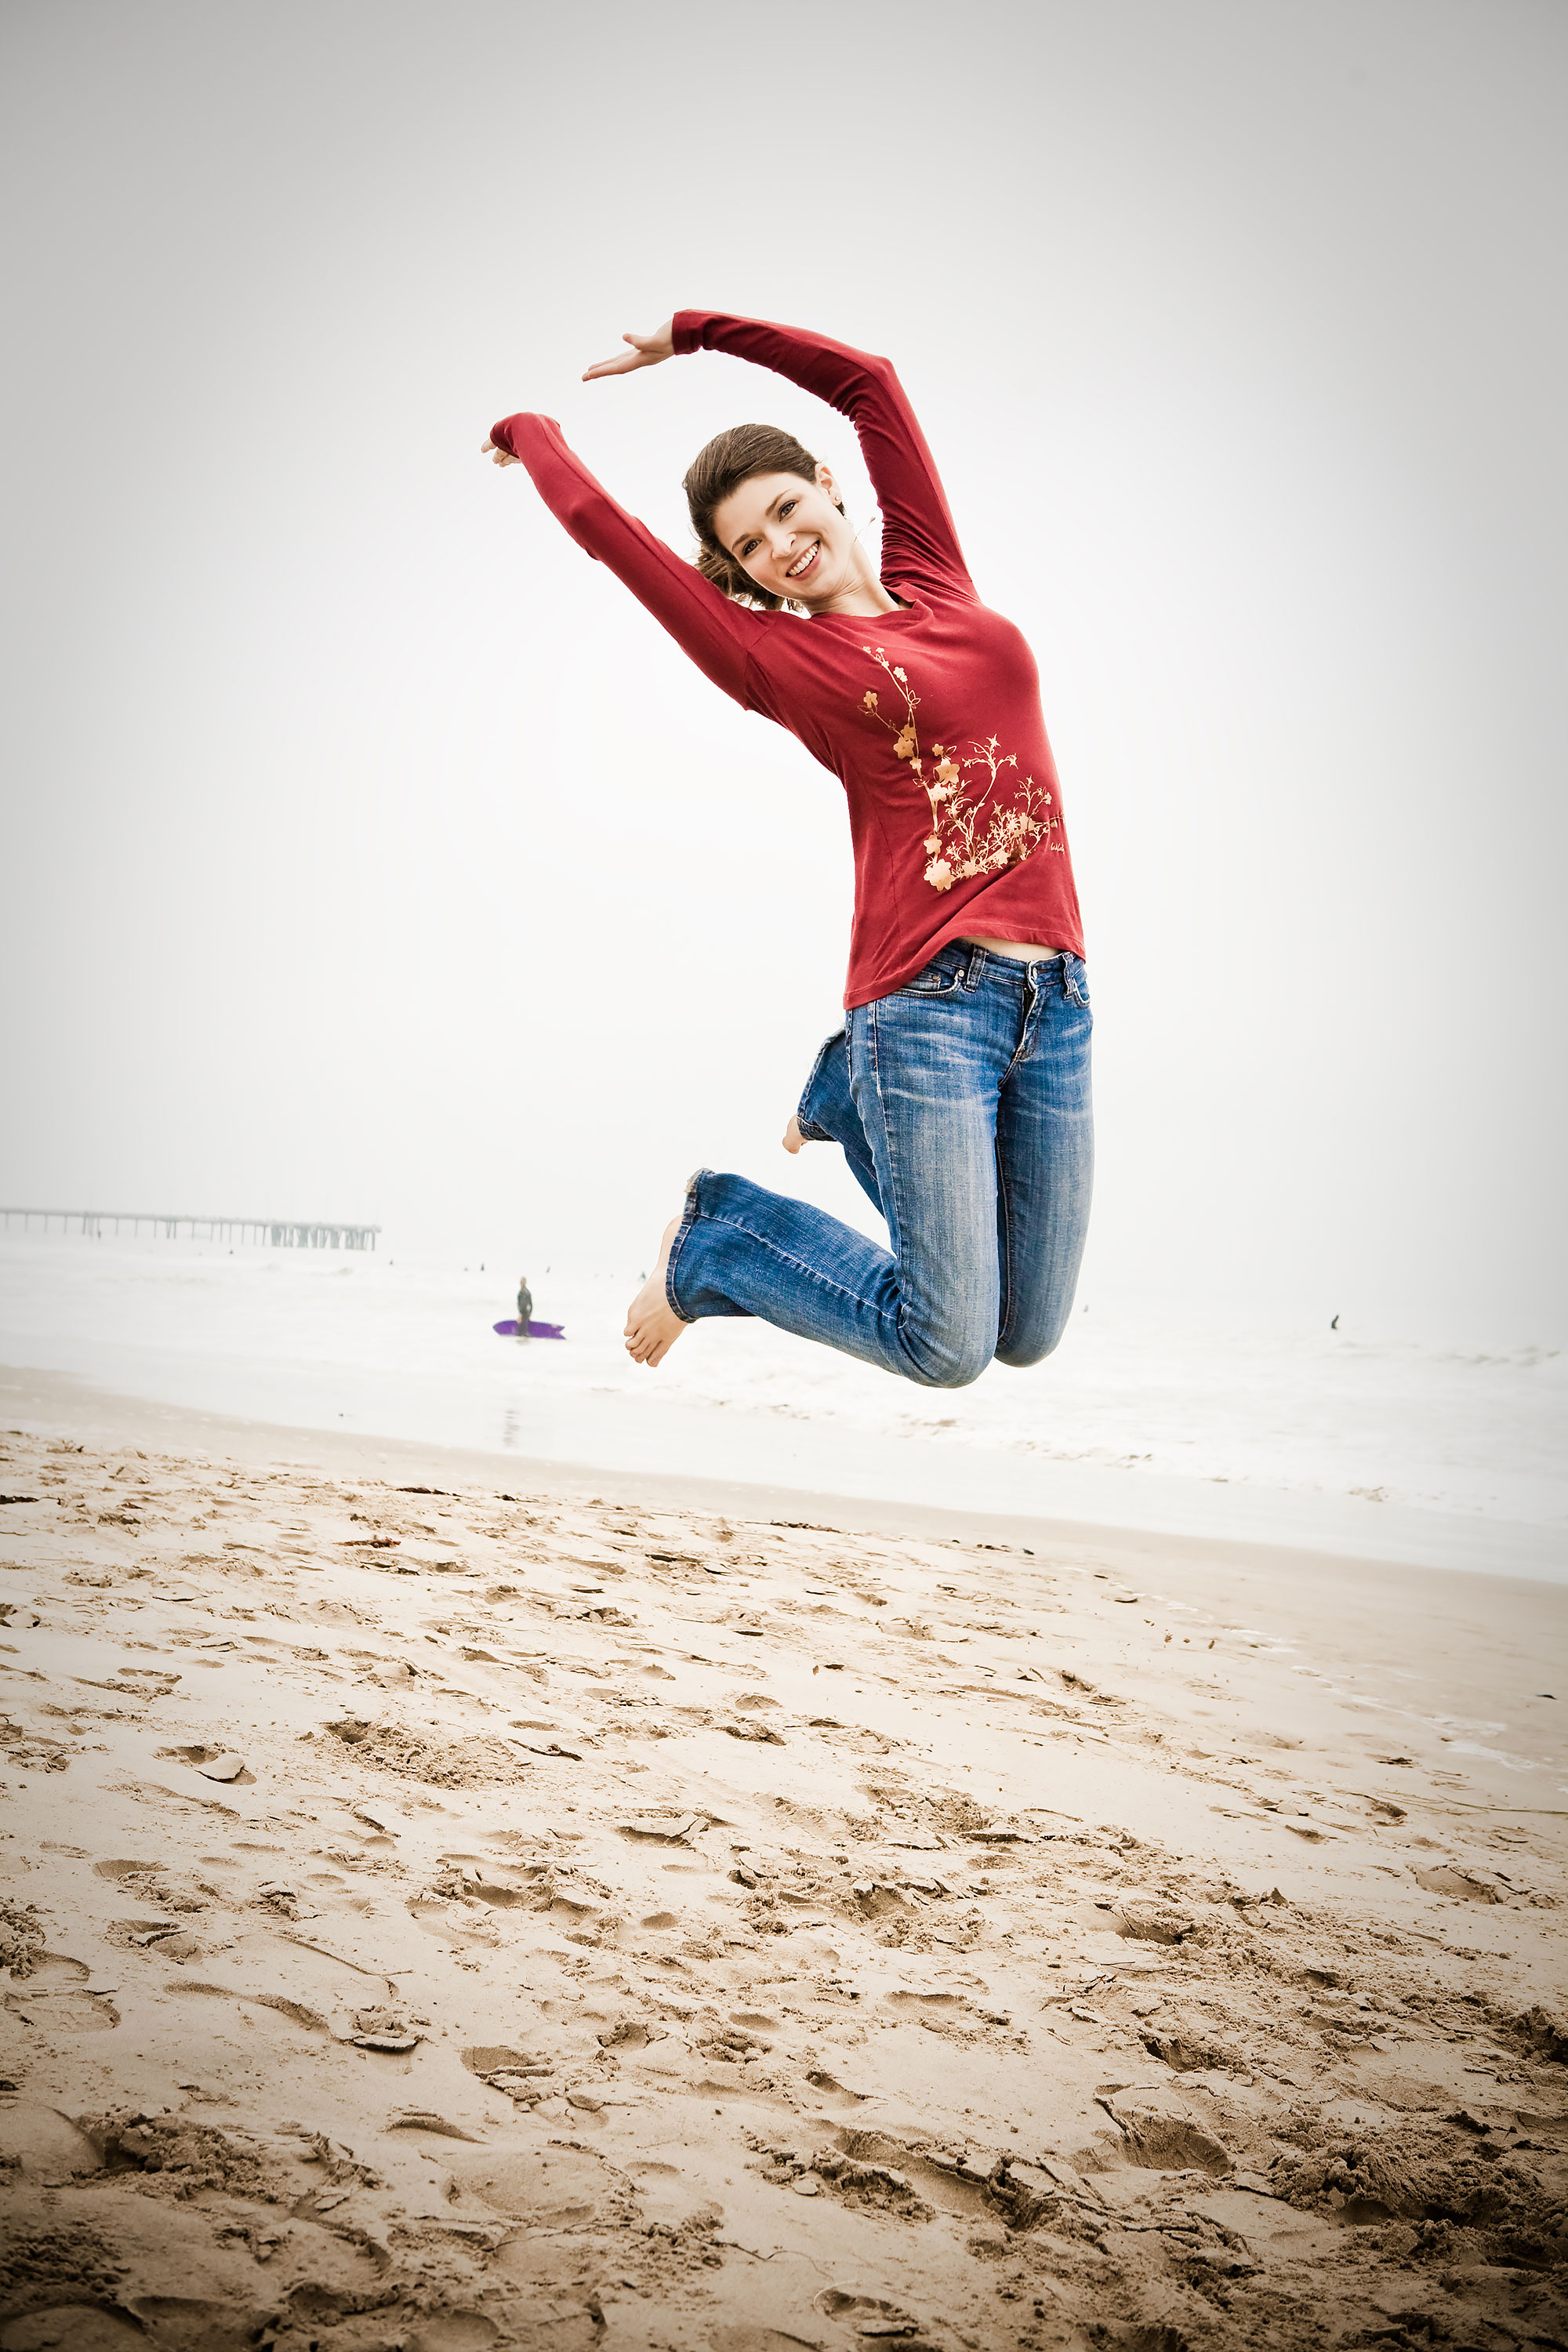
(59, 1996)
(455, 2331)
(550, 2189)
(72, 2327)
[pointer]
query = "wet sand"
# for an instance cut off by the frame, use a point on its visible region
(451, 1904)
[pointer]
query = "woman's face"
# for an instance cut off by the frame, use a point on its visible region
(790, 536)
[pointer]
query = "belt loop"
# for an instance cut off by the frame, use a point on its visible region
(977, 964)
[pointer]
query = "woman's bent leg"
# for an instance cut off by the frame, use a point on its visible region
(827, 1114)
(925, 1067)
(1045, 1160)
(742, 1250)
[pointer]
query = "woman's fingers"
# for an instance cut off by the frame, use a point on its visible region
(622, 364)
(647, 351)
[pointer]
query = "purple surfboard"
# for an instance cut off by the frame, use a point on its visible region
(535, 1330)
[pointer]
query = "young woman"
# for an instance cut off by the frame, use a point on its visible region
(959, 1087)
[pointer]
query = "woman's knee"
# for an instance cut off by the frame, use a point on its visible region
(1027, 1349)
(951, 1360)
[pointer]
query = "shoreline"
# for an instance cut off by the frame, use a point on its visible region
(1156, 1514)
(1373, 1445)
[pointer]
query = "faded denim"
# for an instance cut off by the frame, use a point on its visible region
(961, 1104)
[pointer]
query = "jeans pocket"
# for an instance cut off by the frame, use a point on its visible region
(937, 980)
(1075, 981)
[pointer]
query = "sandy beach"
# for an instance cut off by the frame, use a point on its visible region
(449, 1909)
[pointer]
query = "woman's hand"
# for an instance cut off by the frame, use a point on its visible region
(793, 1137)
(647, 351)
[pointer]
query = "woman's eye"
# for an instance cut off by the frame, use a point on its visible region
(788, 508)
(749, 548)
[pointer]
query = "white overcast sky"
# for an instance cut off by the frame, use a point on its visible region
(369, 853)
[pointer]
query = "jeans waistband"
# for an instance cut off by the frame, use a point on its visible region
(974, 961)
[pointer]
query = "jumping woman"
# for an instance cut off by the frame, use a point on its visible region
(959, 1086)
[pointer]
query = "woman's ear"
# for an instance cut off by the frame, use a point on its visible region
(825, 481)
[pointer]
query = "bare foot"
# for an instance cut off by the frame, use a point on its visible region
(793, 1137)
(653, 1327)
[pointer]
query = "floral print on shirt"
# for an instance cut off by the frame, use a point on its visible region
(973, 828)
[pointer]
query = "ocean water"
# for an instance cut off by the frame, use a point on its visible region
(1346, 1440)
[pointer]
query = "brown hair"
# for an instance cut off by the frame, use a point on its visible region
(730, 459)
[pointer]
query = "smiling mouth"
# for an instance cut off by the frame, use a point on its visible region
(802, 564)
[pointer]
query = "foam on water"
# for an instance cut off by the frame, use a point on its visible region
(1291, 1435)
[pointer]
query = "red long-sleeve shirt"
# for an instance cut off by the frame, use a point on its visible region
(929, 716)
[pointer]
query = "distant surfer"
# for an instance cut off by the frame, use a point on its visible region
(959, 1086)
(525, 1306)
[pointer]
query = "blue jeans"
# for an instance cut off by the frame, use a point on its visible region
(962, 1102)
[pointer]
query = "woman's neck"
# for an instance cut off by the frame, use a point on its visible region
(862, 595)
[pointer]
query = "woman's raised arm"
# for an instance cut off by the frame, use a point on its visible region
(717, 635)
(919, 539)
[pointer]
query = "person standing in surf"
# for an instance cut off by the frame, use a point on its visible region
(959, 1086)
(525, 1306)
